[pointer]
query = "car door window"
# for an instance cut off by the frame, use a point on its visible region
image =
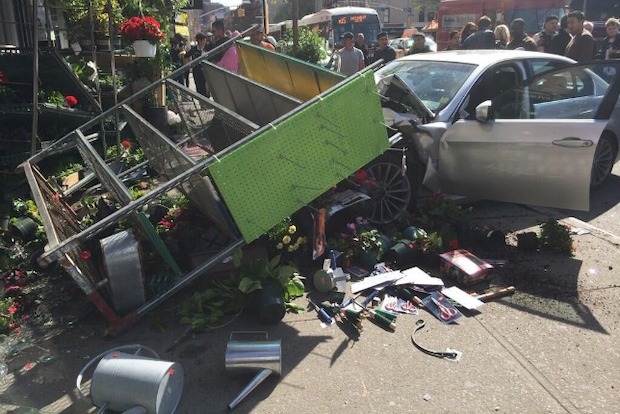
(493, 83)
(574, 92)
(539, 66)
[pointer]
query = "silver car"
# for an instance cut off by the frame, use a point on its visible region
(513, 126)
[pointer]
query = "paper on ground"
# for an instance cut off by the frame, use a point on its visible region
(417, 276)
(372, 281)
(462, 297)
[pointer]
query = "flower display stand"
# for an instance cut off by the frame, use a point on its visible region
(144, 48)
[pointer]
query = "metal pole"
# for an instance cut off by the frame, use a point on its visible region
(295, 25)
(35, 80)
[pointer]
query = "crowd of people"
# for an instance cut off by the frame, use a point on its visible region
(569, 36)
(181, 53)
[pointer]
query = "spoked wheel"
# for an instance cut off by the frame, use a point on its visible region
(392, 194)
(604, 158)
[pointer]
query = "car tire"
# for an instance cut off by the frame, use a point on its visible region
(604, 159)
(394, 192)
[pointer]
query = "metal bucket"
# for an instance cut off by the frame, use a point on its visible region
(122, 382)
(260, 357)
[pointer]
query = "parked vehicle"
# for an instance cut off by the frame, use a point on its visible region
(513, 126)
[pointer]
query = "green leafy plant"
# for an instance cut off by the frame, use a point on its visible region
(442, 216)
(555, 237)
(127, 153)
(52, 97)
(310, 45)
(7, 315)
(7, 94)
(256, 273)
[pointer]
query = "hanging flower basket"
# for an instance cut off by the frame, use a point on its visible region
(144, 32)
(144, 48)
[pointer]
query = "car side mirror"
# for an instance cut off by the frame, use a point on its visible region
(484, 111)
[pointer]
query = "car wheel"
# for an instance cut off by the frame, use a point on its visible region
(604, 158)
(392, 193)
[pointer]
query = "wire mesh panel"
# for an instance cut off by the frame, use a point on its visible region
(171, 161)
(288, 75)
(207, 123)
(281, 169)
(251, 100)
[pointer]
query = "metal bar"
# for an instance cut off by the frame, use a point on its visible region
(34, 134)
(48, 225)
(189, 277)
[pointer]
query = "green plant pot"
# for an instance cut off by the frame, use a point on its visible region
(367, 260)
(269, 304)
(402, 254)
(413, 233)
(24, 228)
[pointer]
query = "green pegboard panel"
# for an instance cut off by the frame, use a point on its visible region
(281, 169)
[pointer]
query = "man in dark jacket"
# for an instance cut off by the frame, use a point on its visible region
(518, 38)
(384, 51)
(359, 44)
(583, 46)
(562, 39)
(419, 44)
(483, 38)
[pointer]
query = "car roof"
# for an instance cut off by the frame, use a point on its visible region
(482, 57)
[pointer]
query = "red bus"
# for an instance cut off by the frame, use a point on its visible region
(453, 14)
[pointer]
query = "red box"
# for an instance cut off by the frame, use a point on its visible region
(463, 266)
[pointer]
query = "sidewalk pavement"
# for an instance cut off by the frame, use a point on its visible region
(550, 348)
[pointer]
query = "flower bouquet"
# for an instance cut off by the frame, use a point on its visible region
(144, 32)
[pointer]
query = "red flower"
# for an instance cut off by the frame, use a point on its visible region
(166, 223)
(126, 144)
(453, 244)
(141, 28)
(3, 77)
(13, 288)
(17, 330)
(360, 176)
(19, 273)
(12, 309)
(70, 101)
(85, 255)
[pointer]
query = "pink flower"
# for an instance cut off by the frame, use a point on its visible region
(12, 309)
(56, 196)
(85, 255)
(166, 223)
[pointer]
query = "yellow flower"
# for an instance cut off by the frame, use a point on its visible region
(286, 239)
(279, 246)
(303, 240)
(291, 248)
(292, 229)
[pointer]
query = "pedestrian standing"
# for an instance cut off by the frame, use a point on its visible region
(502, 36)
(350, 59)
(361, 45)
(419, 44)
(561, 39)
(194, 53)
(258, 39)
(468, 30)
(518, 38)
(582, 47)
(384, 51)
(455, 40)
(483, 38)
(611, 45)
(544, 38)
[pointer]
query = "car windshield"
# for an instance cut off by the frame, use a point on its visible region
(435, 83)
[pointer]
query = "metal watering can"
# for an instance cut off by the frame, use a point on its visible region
(261, 357)
(132, 383)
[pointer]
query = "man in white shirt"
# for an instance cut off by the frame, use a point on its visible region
(350, 59)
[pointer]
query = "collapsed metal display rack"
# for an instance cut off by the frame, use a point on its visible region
(243, 175)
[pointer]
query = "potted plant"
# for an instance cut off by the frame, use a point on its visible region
(144, 33)
(273, 286)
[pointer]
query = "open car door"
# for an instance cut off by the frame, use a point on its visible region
(533, 144)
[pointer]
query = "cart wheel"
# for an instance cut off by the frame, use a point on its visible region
(392, 194)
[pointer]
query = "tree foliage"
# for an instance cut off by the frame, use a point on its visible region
(310, 45)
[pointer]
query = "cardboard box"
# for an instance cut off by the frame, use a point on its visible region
(464, 267)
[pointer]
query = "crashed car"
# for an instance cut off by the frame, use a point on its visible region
(513, 126)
